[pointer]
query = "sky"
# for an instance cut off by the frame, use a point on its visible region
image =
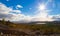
(30, 10)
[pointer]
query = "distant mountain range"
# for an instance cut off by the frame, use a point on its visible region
(41, 22)
(34, 22)
(45, 22)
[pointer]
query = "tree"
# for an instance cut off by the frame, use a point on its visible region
(3, 21)
(7, 23)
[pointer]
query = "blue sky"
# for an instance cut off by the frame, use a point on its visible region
(30, 10)
(27, 4)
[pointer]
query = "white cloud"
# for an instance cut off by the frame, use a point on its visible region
(19, 6)
(7, 0)
(7, 11)
(56, 17)
(10, 14)
(30, 8)
(16, 11)
(4, 9)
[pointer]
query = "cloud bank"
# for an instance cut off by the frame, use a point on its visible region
(12, 15)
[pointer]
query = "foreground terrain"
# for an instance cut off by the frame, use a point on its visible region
(8, 28)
